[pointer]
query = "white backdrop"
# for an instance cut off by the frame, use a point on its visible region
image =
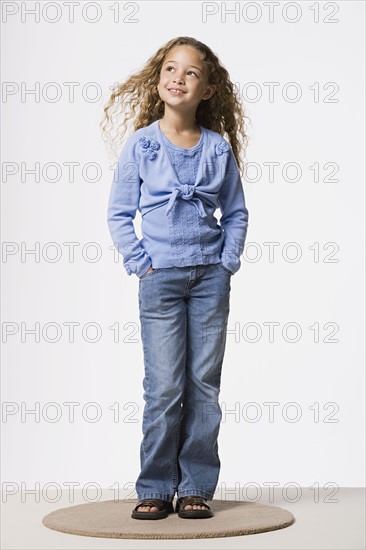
(293, 377)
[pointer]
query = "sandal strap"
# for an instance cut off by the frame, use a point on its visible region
(184, 501)
(160, 504)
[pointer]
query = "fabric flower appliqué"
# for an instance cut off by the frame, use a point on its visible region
(149, 147)
(221, 147)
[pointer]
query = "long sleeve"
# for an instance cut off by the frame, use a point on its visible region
(234, 216)
(122, 207)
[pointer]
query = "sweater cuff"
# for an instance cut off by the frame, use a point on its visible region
(231, 262)
(138, 262)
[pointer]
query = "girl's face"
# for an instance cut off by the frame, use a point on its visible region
(183, 79)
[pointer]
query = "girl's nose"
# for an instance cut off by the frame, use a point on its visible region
(178, 79)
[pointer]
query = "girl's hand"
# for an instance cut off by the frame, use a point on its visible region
(148, 271)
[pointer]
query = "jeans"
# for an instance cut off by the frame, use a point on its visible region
(183, 317)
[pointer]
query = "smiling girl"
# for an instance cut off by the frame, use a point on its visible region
(177, 169)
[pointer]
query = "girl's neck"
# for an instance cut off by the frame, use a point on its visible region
(179, 125)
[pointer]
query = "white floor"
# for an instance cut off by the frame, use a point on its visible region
(319, 525)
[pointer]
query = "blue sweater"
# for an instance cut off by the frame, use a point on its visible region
(177, 191)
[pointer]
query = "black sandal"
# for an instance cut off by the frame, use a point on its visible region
(184, 501)
(164, 508)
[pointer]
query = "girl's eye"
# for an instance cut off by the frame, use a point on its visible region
(170, 67)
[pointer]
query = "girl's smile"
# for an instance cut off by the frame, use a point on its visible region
(175, 91)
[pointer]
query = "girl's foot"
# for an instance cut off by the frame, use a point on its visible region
(152, 508)
(193, 507)
(147, 509)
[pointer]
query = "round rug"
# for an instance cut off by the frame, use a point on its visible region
(112, 519)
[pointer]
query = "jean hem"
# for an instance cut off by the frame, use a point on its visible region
(161, 496)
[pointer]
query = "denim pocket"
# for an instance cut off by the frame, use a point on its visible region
(147, 274)
(224, 268)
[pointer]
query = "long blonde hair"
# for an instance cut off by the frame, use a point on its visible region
(222, 113)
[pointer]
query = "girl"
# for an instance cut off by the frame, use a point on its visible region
(177, 169)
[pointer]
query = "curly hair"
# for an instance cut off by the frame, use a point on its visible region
(138, 99)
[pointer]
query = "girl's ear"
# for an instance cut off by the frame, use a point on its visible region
(209, 92)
